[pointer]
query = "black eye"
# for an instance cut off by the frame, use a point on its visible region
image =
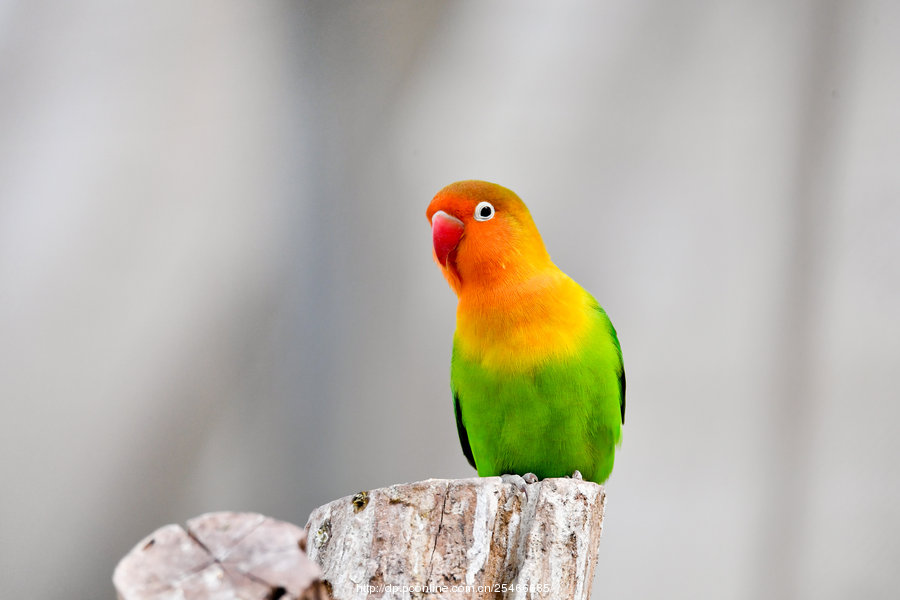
(484, 211)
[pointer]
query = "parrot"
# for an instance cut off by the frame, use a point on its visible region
(536, 371)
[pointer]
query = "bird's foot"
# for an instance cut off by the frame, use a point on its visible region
(577, 475)
(520, 481)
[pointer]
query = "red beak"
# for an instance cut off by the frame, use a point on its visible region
(446, 232)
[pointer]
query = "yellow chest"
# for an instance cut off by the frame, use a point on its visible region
(518, 328)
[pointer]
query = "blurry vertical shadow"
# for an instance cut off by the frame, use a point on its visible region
(350, 60)
(793, 407)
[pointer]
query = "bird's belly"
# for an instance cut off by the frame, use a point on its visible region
(548, 421)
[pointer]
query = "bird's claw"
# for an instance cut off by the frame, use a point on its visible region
(520, 481)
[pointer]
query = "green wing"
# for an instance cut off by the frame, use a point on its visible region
(615, 338)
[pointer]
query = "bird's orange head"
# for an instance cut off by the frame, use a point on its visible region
(483, 236)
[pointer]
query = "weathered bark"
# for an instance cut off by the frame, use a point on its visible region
(221, 556)
(500, 537)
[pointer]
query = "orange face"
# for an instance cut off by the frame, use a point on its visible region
(483, 234)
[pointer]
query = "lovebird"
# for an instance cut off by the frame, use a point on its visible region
(536, 372)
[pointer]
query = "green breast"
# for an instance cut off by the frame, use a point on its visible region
(550, 419)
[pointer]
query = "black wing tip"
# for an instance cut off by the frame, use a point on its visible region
(463, 434)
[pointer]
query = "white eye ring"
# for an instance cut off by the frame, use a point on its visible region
(484, 211)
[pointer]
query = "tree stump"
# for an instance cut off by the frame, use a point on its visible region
(221, 556)
(487, 537)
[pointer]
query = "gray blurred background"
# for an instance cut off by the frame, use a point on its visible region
(217, 289)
